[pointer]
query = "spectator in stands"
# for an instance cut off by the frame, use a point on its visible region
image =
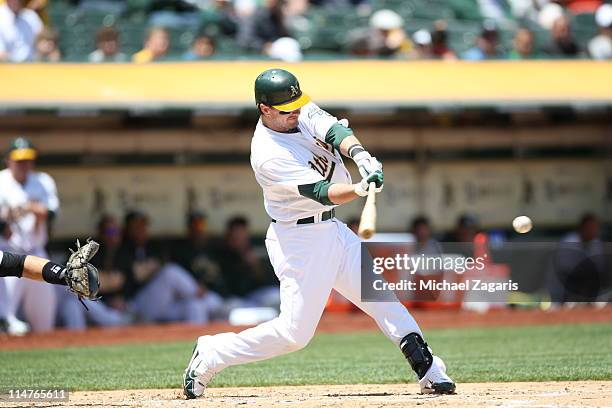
(202, 47)
(245, 275)
(220, 19)
(195, 254)
(523, 45)
(175, 14)
(384, 38)
(295, 8)
(423, 48)
(562, 43)
(388, 26)
(526, 10)
(285, 49)
(245, 9)
(439, 38)
(19, 27)
(39, 6)
(46, 46)
(107, 47)
(582, 6)
(155, 290)
(487, 44)
(265, 26)
(579, 271)
(156, 45)
(600, 46)
(493, 10)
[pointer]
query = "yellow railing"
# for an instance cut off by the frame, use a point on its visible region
(348, 83)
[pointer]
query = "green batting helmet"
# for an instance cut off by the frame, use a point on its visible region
(280, 89)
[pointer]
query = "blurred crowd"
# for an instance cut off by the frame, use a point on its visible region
(271, 29)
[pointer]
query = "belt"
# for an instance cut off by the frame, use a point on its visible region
(326, 215)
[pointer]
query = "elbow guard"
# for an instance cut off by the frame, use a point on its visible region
(317, 191)
(336, 134)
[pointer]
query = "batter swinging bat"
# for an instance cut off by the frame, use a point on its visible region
(367, 225)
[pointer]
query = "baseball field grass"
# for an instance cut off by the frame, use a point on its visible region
(536, 353)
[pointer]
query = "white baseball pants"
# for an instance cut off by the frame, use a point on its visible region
(309, 260)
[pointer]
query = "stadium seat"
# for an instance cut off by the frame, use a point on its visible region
(584, 28)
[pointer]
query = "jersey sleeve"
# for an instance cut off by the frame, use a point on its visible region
(1, 255)
(52, 200)
(316, 120)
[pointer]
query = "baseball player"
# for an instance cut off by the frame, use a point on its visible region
(296, 154)
(28, 200)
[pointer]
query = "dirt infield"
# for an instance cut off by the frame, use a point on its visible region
(544, 394)
(331, 322)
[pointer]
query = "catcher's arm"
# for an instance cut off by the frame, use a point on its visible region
(78, 274)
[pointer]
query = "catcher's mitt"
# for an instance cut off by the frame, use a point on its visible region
(81, 276)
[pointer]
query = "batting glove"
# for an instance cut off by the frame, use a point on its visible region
(366, 163)
(361, 188)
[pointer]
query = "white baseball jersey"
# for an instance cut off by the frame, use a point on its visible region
(18, 33)
(40, 187)
(308, 259)
(284, 161)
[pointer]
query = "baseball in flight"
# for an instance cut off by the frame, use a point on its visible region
(522, 224)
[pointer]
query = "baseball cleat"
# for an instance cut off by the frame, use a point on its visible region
(198, 374)
(435, 380)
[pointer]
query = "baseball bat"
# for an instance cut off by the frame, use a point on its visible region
(367, 225)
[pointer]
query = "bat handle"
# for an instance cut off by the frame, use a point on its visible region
(371, 189)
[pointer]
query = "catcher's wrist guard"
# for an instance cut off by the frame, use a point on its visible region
(54, 273)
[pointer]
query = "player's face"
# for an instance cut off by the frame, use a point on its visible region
(20, 169)
(109, 48)
(15, 5)
(289, 118)
(280, 121)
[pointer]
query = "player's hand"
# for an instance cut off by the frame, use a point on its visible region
(367, 164)
(377, 177)
(81, 276)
